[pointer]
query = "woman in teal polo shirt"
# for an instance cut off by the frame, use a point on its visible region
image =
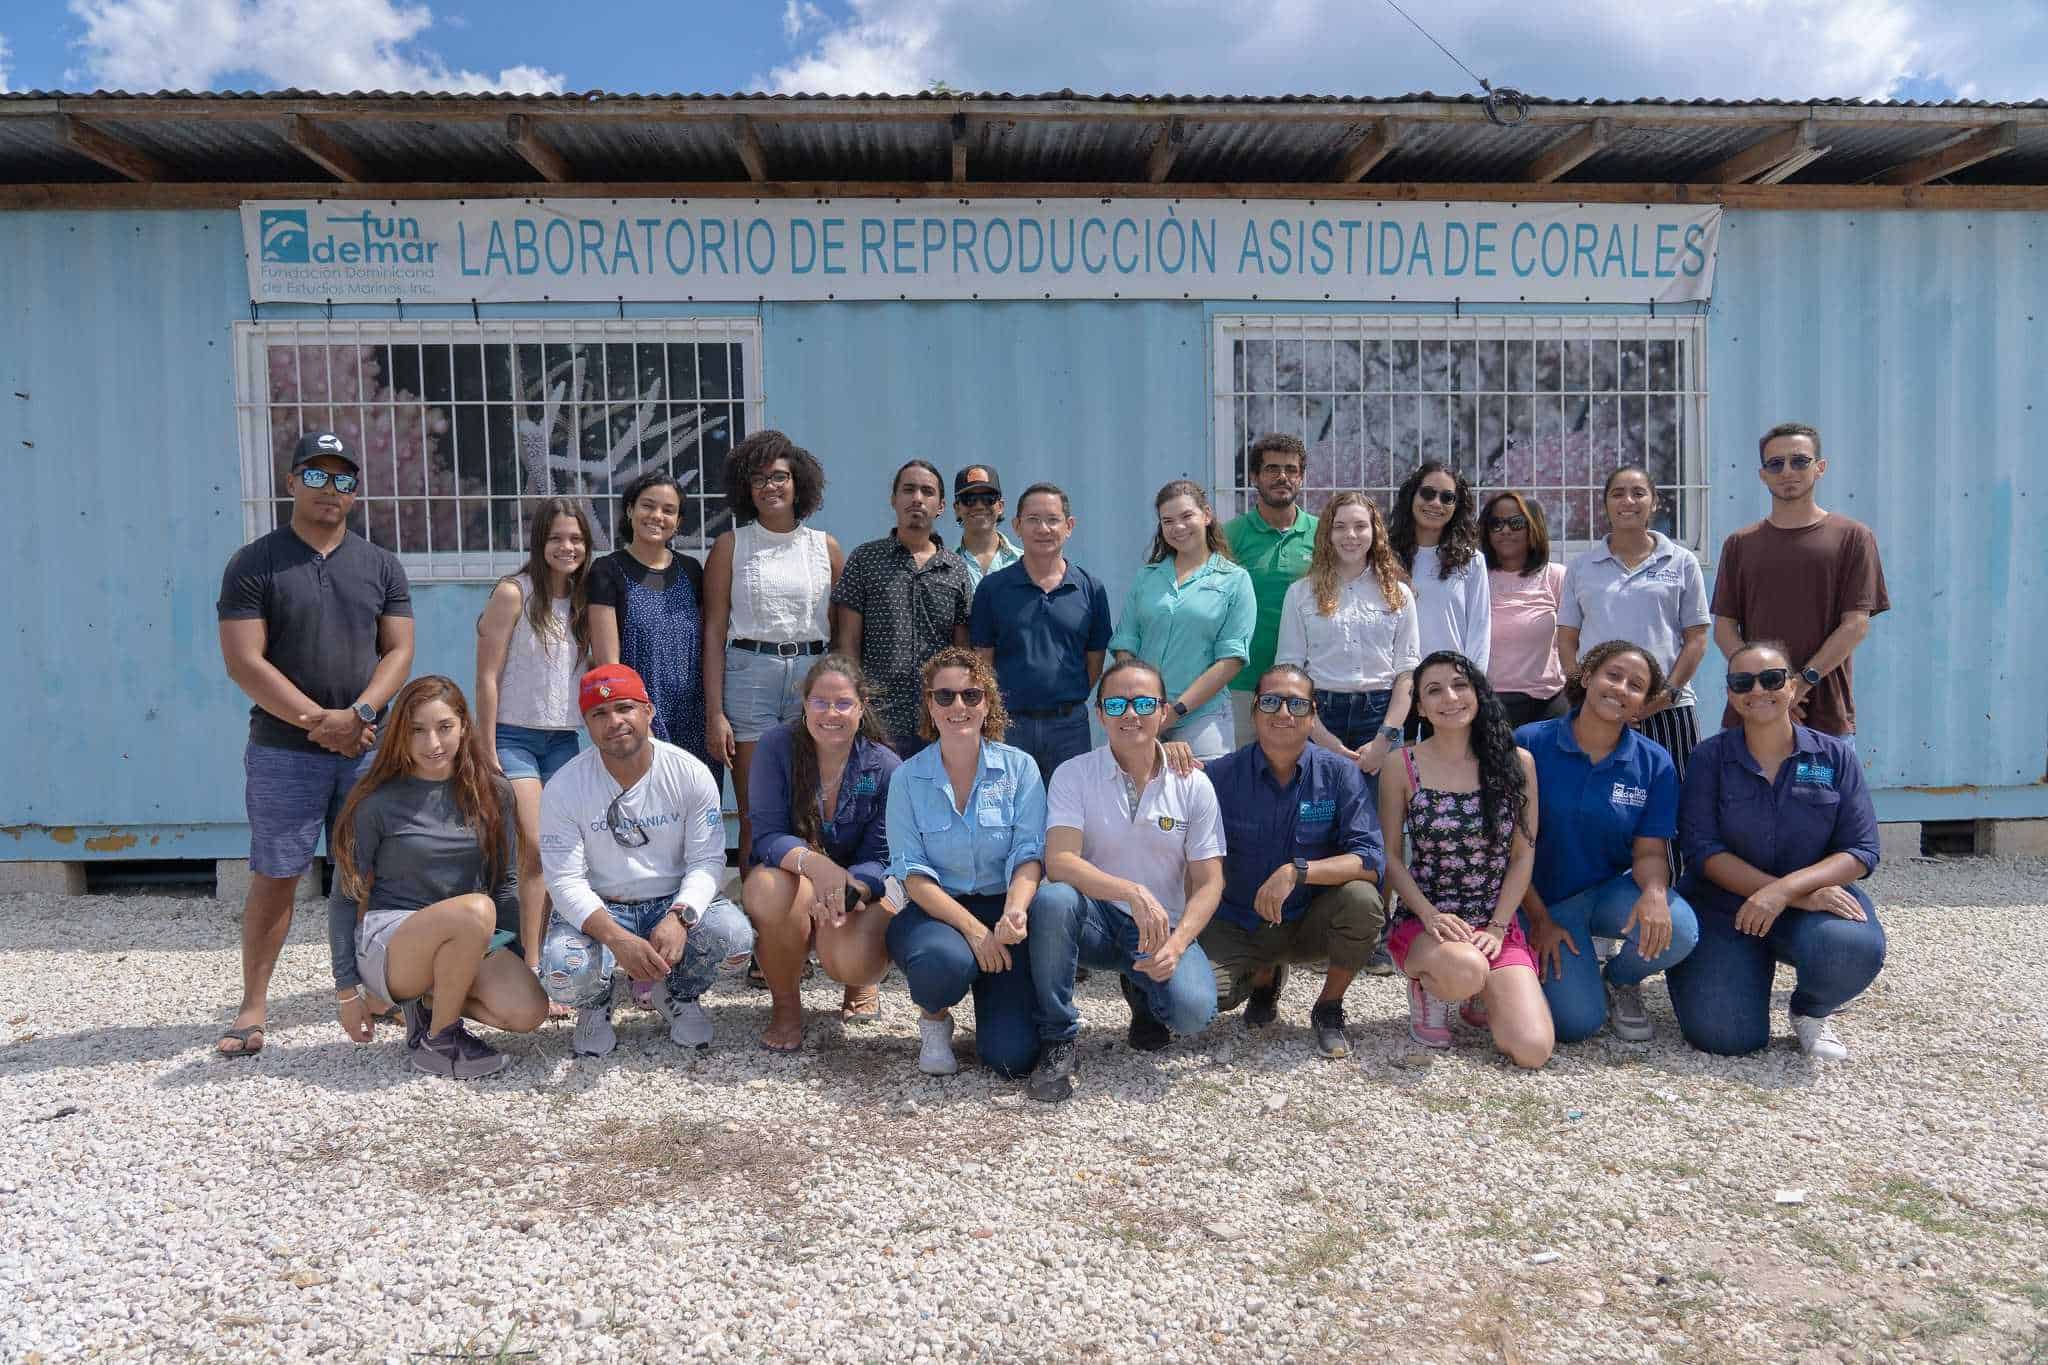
(1608, 805)
(1190, 614)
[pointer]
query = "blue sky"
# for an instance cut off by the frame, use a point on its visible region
(1905, 49)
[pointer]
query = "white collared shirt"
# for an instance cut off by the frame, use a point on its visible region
(1176, 822)
(1362, 646)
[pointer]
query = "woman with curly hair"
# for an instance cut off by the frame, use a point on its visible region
(820, 791)
(767, 602)
(1351, 624)
(1609, 808)
(1459, 812)
(1435, 531)
(966, 853)
(425, 861)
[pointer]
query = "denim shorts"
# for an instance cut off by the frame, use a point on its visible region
(762, 690)
(1353, 717)
(292, 797)
(1208, 730)
(526, 752)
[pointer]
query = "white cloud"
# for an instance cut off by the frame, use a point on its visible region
(4, 55)
(1730, 49)
(798, 16)
(335, 45)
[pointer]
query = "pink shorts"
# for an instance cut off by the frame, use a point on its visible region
(1514, 949)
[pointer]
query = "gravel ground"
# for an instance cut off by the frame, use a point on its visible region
(1226, 1199)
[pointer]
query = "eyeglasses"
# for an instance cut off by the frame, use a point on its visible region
(320, 478)
(980, 499)
(1770, 680)
(624, 835)
(1041, 523)
(1517, 522)
(1271, 702)
(966, 696)
(1776, 464)
(842, 705)
(1141, 706)
(1447, 496)
(1290, 472)
(775, 479)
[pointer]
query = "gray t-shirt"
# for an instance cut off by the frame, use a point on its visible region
(319, 615)
(414, 849)
(1650, 606)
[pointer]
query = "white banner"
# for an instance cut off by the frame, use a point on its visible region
(742, 250)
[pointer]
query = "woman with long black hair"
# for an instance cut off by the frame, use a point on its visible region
(1435, 531)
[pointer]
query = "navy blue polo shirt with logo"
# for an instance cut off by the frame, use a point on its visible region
(1325, 811)
(1817, 805)
(1589, 815)
(1041, 639)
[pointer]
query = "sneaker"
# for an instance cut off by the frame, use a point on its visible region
(416, 1020)
(1817, 1039)
(594, 1034)
(688, 1023)
(1428, 1022)
(1056, 1074)
(1473, 1012)
(1381, 963)
(1626, 1013)
(1327, 1019)
(1605, 950)
(457, 1053)
(935, 1047)
(1147, 1033)
(1264, 1006)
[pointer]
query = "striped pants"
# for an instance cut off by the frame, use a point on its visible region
(1677, 729)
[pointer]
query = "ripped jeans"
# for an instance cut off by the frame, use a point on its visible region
(576, 970)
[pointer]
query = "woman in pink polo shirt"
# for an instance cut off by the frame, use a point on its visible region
(1527, 588)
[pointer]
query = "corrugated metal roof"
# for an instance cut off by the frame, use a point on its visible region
(236, 137)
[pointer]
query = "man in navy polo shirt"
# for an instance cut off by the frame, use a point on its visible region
(1043, 624)
(1304, 854)
(316, 627)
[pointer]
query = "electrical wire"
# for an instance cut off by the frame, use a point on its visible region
(1505, 98)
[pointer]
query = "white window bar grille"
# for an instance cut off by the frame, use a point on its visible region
(1545, 405)
(461, 427)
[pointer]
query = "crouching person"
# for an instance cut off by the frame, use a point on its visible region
(1304, 856)
(426, 861)
(632, 844)
(1134, 869)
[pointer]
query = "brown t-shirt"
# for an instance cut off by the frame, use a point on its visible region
(1795, 586)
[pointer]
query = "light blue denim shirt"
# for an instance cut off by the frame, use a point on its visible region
(973, 852)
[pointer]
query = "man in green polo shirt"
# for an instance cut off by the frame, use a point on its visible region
(1272, 541)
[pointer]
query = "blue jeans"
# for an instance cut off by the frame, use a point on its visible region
(1070, 930)
(576, 970)
(1722, 993)
(941, 972)
(1353, 717)
(1578, 1005)
(1051, 740)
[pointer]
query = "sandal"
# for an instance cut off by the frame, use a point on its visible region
(250, 1038)
(861, 1005)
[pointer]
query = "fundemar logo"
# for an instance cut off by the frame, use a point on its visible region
(350, 239)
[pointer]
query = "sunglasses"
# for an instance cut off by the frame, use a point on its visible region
(1116, 706)
(1770, 680)
(1776, 464)
(1516, 522)
(320, 478)
(843, 705)
(1271, 702)
(624, 835)
(1447, 496)
(967, 696)
(980, 499)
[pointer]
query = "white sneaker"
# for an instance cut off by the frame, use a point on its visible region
(1625, 1012)
(688, 1024)
(935, 1047)
(594, 1034)
(1817, 1039)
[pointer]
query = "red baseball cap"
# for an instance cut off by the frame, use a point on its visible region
(612, 682)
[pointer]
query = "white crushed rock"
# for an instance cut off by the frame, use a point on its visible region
(1231, 1198)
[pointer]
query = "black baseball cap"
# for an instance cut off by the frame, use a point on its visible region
(314, 444)
(977, 478)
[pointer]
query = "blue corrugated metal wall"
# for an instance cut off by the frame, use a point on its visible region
(1910, 339)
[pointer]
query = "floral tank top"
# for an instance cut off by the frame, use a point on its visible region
(1456, 865)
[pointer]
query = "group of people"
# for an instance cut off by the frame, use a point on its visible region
(1310, 720)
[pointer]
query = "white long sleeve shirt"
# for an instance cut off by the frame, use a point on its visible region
(1455, 612)
(1362, 646)
(676, 803)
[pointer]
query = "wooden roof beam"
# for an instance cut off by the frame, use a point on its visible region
(318, 146)
(122, 158)
(1369, 151)
(959, 149)
(1166, 149)
(748, 145)
(525, 136)
(1968, 150)
(1766, 155)
(1568, 151)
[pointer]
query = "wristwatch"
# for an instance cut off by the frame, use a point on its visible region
(1391, 734)
(1180, 708)
(686, 915)
(1301, 872)
(365, 712)
(1810, 676)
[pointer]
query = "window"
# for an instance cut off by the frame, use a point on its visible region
(1546, 405)
(461, 426)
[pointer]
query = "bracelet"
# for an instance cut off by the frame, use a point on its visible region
(349, 999)
(1501, 929)
(800, 861)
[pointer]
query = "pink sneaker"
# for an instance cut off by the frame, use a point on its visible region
(1473, 1012)
(1428, 1017)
